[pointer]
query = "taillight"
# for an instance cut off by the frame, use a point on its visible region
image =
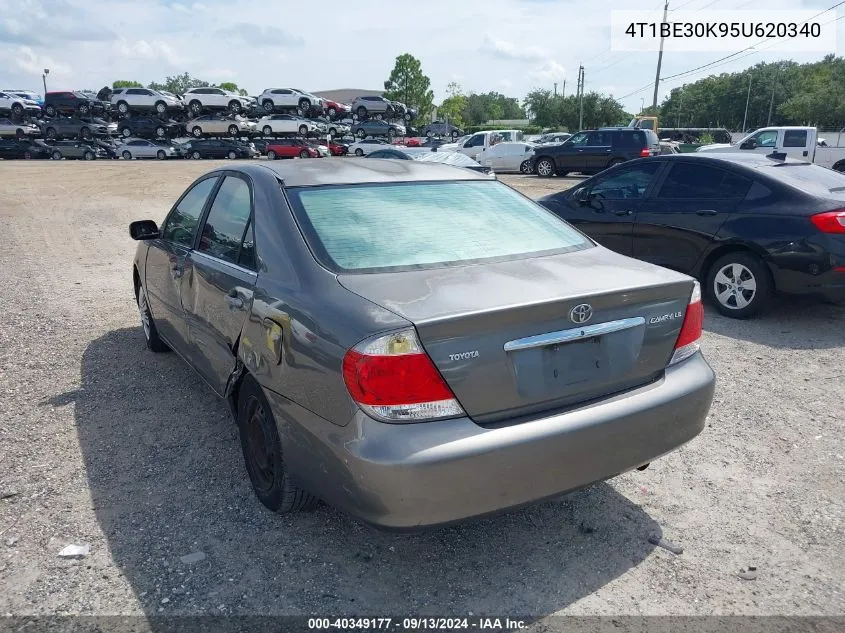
(645, 152)
(687, 343)
(830, 221)
(392, 379)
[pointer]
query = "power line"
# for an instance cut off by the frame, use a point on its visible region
(733, 55)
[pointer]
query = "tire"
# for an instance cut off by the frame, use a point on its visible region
(195, 106)
(85, 133)
(525, 167)
(407, 117)
(271, 155)
(268, 131)
(304, 154)
(391, 133)
(268, 105)
(19, 133)
(161, 107)
(362, 112)
(84, 109)
(454, 134)
(233, 130)
(744, 299)
(160, 132)
(126, 155)
(27, 156)
(235, 106)
(332, 112)
(231, 155)
(429, 134)
(126, 132)
(333, 131)
(17, 109)
(359, 152)
(263, 453)
(122, 107)
(545, 168)
(379, 116)
(303, 130)
(161, 155)
(195, 155)
(57, 155)
(50, 132)
(148, 326)
(197, 131)
(50, 111)
(304, 105)
(88, 155)
(361, 133)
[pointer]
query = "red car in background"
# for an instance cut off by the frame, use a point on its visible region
(290, 148)
(407, 142)
(335, 109)
(338, 149)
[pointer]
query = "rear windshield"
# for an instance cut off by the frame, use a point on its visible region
(812, 179)
(404, 226)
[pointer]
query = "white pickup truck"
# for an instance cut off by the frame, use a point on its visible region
(478, 143)
(796, 142)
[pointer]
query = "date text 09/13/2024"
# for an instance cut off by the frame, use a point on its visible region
(418, 623)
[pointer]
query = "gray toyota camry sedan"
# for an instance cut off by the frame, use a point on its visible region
(416, 343)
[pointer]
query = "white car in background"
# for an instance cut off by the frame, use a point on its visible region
(365, 146)
(125, 99)
(17, 130)
(196, 99)
(285, 124)
(142, 148)
(274, 98)
(216, 126)
(504, 157)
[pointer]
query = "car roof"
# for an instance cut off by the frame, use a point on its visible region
(751, 160)
(346, 171)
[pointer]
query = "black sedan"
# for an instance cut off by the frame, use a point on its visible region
(24, 148)
(74, 127)
(745, 225)
(77, 149)
(217, 148)
(374, 127)
(148, 127)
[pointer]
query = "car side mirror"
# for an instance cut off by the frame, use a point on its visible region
(749, 144)
(144, 230)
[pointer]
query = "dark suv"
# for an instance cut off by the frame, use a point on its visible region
(592, 151)
(71, 103)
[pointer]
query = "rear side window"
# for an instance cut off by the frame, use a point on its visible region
(225, 226)
(795, 138)
(811, 179)
(688, 180)
(181, 225)
(365, 228)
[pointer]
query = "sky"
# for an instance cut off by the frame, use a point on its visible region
(508, 46)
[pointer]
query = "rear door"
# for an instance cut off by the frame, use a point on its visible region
(607, 207)
(676, 225)
(598, 150)
(217, 287)
(165, 265)
(796, 143)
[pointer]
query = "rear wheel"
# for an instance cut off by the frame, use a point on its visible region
(268, 131)
(234, 106)
(27, 155)
(50, 111)
(545, 168)
(233, 130)
(88, 155)
(126, 155)
(525, 167)
(160, 132)
(154, 343)
(84, 109)
(126, 132)
(362, 112)
(57, 155)
(738, 284)
(267, 105)
(85, 133)
(362, 133)
(123, 107)
(197, 131)
(232, 155)
(359, 152)
(50, 132)
(303, 130)
(196, 155)
(195, 106)
(161, 107)
(263, 455)
(17, 109)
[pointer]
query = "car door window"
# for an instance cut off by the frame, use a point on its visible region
(766, 138)
(628, 184)
(225, 227)
(181, 225)
(475, 141)
(599, 138)
(580, 139)
(687, 180)
(795, 138)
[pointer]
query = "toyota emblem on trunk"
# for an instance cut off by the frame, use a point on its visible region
(581, 313)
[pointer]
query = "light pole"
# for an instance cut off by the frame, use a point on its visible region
(747, 99)
(660, 55)
(642, 105)
(44, 80)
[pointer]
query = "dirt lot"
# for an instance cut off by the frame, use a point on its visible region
(104, 443)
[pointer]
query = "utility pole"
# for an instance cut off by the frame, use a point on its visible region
(44, 79)
(581, 97)
(747, 99)
(659, 56)
(772, 102)
(555, 88)
(563, 90)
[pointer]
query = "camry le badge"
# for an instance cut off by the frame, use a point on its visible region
(581, 313)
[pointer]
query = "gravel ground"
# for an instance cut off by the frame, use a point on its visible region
(103, 443)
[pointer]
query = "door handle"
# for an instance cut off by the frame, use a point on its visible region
(625, 212)
(176, 272)
(706, 212)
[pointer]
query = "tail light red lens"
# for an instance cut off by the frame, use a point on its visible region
(830, 221)
(644, 152)
(392, 379)
(688, 339)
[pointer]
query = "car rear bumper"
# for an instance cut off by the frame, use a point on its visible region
(409, 476)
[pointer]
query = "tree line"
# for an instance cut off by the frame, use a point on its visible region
(781, 93)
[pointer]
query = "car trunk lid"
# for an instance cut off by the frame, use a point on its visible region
(520, 337)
